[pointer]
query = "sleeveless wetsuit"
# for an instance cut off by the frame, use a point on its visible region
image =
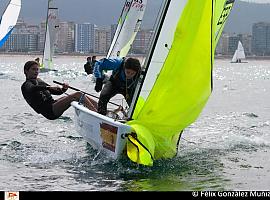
(38, 96)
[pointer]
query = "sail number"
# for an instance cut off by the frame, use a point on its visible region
(226, 10)
(52, 16)
(135, 3)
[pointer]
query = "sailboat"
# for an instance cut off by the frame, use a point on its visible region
(52, 26)
(128, 26)
(239, 54)
(9, 20)
(173, 89)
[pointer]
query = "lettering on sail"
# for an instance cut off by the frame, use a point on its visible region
(224, 15)
(51, 16)
(138, 4)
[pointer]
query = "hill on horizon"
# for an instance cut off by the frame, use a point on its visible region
(244, 14)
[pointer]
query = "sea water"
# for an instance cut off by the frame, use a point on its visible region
(226, 148)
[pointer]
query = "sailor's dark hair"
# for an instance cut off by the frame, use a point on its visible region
(133, 64)
(28, 65)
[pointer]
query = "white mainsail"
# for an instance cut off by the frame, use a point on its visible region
(52, 25)
(239, 53)
(128, 26)
(9, 20)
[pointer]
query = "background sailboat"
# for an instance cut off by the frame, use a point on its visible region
(128, 26)
(239, 54)
(9, 20)
(50, 44)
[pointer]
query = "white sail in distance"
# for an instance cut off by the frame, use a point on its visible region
(239, 53)
(9, 20)
(52, 26)
(127, 28)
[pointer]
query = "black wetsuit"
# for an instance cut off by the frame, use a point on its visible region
(88, 68)
(38, 96)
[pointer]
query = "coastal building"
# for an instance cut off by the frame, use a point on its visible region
(85, 37)
(261, 39)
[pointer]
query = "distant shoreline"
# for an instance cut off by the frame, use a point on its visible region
(41, 55)
(64, 54)
(130, 55)
(247, 57)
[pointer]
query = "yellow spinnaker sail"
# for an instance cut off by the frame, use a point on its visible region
(183, 85)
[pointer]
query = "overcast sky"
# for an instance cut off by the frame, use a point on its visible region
(100, 12)
(257, 1)
(106, 12)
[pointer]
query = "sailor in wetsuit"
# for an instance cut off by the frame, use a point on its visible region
(123, 80)
(38, 94)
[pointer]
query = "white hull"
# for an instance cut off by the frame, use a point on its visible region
(101, 132)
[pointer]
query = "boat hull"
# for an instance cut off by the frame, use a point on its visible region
(101, 132)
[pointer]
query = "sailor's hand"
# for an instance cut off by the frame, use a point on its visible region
(65, 87)
(120, 108)
(99, 83)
